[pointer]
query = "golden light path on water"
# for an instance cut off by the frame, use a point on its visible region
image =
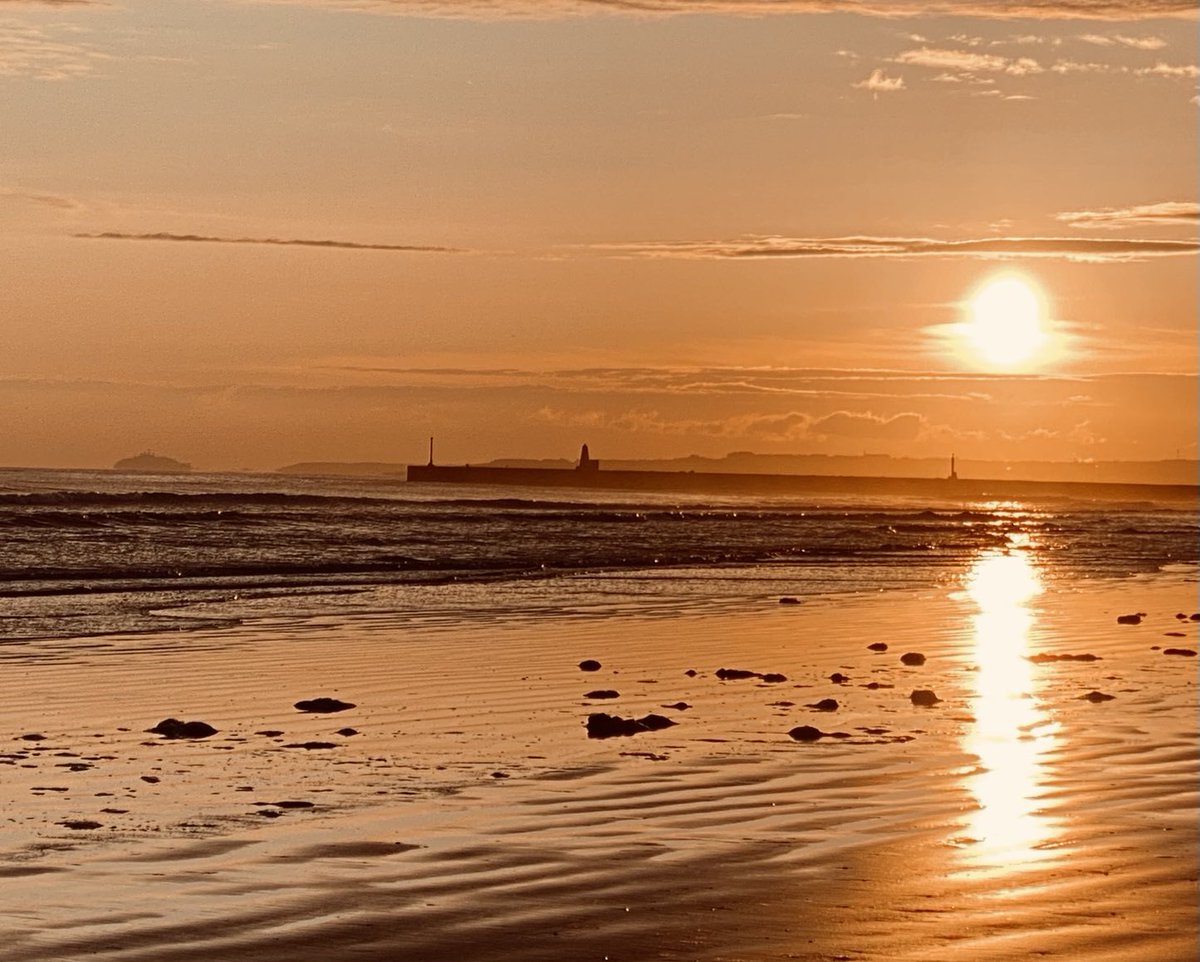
(1012, 732)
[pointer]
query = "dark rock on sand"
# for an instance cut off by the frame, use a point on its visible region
(32, 737)
(1175, 634)
(1194, 617)
(346, 732)
(289, 803)
(150, 779)
(79, 824)
(603, 693)
(1135, 619)
(656, 722)
(788, 600)
(1095, 697)
(825, 704)
(838, 678)
(269, 733)
(732, 674)
(601, 725)
(590, 664)
(679, 706)
(1186, 652)
(691, 672)
(311, 746)
(324, 705)
(877, 646)
(924, 698)
(913, 658)
(1043, 656)
(174, 728)
(500, 775)
(806, 733)
(1181, 616)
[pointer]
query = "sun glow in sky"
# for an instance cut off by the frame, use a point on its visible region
(246, 234)
(1006, 328)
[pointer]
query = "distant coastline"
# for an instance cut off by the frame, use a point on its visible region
(951, 488)
(1175, 471)
(152, 463)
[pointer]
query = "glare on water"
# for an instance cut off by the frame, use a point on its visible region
(1012, 732)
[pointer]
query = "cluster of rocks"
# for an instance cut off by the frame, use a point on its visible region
(601, 725)
(604, 725)
(173, 728)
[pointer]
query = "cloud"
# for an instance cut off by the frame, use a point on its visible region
(35, 52)
(60, 201)
(878, 83)
(273, 242)
(1121, 40)
(1160, 69)
(968, 62)
(1075, 66)
(1172, 213)
(1115, 10)
(898, 427)
(758, 247)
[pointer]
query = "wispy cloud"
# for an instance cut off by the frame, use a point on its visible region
(1076, 66)
(782, 426)
(41, 199)
(274, 242)
(1122, 40)
(1187, 71)
(32, 51)
(1170, 213)
(879, 83)
(1115, 10)
(968, 62)
(761, 248)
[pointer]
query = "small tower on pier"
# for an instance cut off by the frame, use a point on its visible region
(586, 462)
(953, 476)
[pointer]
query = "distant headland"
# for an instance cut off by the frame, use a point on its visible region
(150, 462)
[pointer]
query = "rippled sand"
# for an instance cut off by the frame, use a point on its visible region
(471, 817)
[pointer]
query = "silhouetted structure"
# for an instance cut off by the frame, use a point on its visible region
(585, 461)
(587, 474)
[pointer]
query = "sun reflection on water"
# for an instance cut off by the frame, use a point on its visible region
(1012, 731)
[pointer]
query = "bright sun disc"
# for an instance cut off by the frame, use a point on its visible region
(1005, 327)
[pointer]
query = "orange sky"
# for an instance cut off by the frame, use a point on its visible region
(755, 227)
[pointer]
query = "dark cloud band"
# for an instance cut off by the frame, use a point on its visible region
(1117, 10)
(274, 242)
(762, 248)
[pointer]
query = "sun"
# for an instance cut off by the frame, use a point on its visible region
(1006, 325)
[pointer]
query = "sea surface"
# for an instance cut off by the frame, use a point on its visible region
(94, 552)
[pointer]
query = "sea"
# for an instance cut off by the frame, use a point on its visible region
(85, 553)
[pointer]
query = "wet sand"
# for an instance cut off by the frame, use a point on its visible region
(470, 817)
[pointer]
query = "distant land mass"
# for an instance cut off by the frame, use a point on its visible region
(151, 462)
(1173, 471)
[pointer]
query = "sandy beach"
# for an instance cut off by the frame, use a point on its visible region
(460, 810)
